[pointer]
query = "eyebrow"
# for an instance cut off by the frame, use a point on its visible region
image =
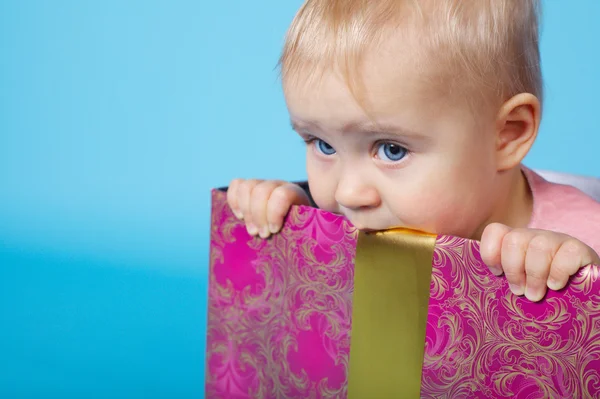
(294, 126)
(363, 127)
(371, 127)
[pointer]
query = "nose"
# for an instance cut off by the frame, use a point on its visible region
(354, 192)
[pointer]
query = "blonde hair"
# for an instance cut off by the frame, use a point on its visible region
(491, 46)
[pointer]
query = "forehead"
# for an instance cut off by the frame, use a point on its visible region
(328, 107)
(387, 81)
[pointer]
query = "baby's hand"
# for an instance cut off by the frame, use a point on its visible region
(263, 204)
(532, 260)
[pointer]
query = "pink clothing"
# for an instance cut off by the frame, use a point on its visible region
(564, 209)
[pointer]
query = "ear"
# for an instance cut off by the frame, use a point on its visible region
(517, 126)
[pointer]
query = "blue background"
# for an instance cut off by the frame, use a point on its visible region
(116, 120)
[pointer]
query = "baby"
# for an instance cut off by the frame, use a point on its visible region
(419, 114)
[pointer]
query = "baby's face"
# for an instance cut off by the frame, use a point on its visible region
(425, 163)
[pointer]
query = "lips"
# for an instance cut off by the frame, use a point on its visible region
(368, 230)
(364, 229)
(370, 223)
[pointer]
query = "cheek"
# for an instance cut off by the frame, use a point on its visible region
(444, 204)
(322, 184)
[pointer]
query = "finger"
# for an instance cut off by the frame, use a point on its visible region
(259, 199)
(514, 248)
(569, 258)
(244, 198)
(232, 198)
(282, 198)
(491, 246)
(540, 252)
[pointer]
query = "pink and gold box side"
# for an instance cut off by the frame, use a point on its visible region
(280, 319)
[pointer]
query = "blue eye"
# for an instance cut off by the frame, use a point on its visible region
(324, 148)
(391, 152)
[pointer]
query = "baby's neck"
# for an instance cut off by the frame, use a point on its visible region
(515, 207)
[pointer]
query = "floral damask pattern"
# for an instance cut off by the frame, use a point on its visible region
(484, 342)
(280, 309)
(279, 319)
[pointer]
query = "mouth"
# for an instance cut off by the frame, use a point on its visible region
(365, 229)
(398, 230)
(368, 230)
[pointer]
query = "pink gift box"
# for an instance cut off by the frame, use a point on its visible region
(280, 321)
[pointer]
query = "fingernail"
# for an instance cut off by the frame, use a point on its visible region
(554, 285)
(238, 215)
(516, 289)
(496, 270)
(252, 230)
(273, 228)
(264, 232)
(533, 295)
